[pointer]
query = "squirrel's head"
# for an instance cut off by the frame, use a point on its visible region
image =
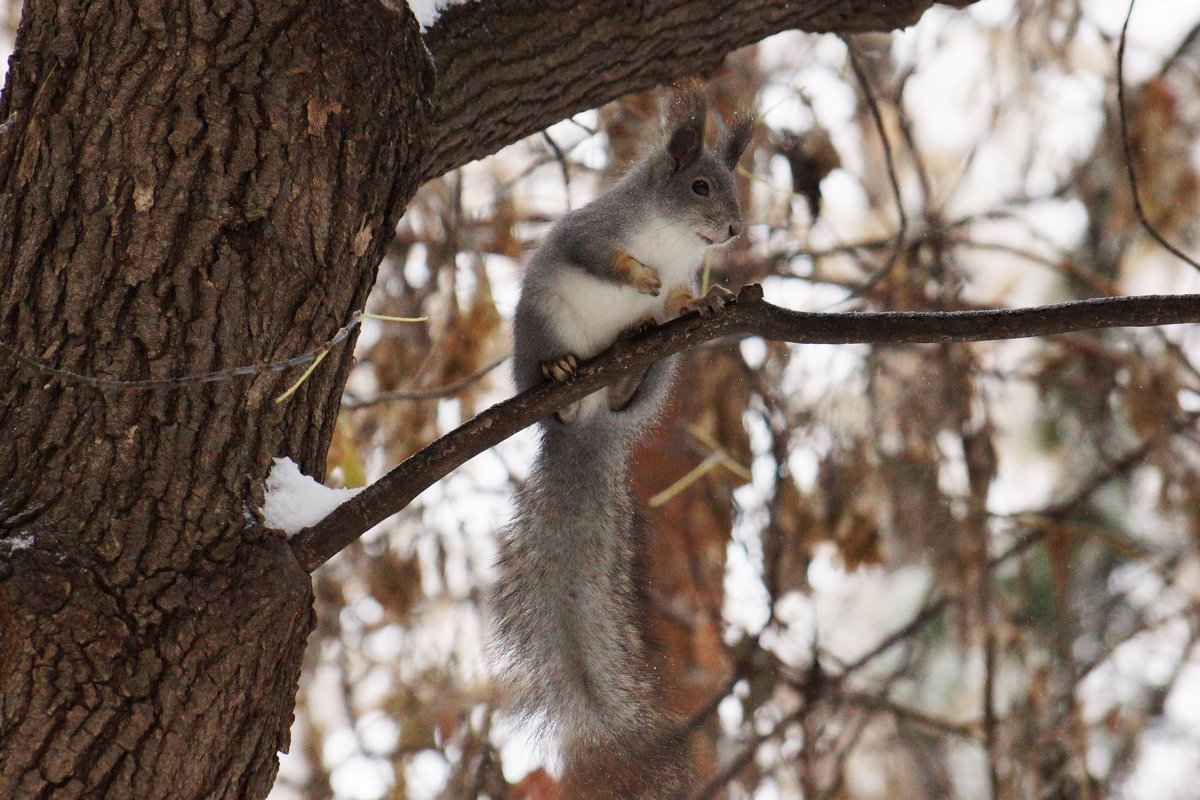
(695, 183)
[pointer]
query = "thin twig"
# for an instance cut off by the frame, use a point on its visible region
(873, 106)
(1127, 147)
(911, 715)
(434, 393)
(1185, 45)
(850, 741)
(735, 765)
(561, 158)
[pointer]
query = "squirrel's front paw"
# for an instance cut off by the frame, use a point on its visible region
(562, 369)
(708, 306)
(638, 275)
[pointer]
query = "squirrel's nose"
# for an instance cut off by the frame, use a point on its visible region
(735, 229)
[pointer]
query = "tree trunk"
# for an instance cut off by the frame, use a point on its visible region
(182, 189)
(186, 188)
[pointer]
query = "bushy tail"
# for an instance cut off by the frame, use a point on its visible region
(568, 637)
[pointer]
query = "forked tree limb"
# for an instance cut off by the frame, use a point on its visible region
(750, 316)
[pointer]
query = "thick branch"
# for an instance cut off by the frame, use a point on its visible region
(751, 316)
(508, 68)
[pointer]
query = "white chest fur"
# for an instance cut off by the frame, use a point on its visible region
(589, 313)
(669, 247)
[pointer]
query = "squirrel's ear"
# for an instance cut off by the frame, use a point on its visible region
(685, 125)
(739, 135)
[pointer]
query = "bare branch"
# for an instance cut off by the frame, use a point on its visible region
(751, 316)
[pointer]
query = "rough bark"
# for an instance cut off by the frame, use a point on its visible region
(544, 60)
(190, 187)
(183, 187)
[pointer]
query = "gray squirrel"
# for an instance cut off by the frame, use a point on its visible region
(568, 639)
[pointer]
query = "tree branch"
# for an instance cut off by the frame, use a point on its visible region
(508, 68)
(750, 316)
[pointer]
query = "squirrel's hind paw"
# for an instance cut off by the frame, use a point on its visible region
(568, 414)
(562, 369)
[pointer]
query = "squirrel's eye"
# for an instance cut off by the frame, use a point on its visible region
(700, 188)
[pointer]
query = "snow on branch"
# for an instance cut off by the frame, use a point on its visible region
(295, 501)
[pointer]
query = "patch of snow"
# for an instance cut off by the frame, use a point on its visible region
(294, 501)
(427, 11)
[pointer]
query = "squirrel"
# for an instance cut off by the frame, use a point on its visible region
(568, 640)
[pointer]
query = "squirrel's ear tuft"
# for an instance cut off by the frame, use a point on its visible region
(685, 124)
(739, 136)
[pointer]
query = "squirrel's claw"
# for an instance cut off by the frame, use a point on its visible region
(561, 370)
(710, 304)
